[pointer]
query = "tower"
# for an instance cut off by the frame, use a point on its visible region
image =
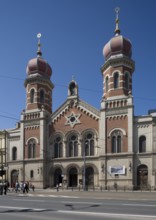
(116, 124)
(34, 119)
(38, 84)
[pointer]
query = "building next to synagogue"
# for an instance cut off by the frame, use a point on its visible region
(79, 145)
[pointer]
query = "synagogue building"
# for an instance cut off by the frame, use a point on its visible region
(79, 145)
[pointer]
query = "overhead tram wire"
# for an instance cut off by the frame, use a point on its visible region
(10, 77)
(80, 88)
(9, 117)
(59, 85)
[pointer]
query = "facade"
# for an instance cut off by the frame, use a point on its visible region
(79, 145)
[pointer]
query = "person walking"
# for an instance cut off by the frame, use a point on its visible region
(5, 189)
(17, 187)
(33, 187)
(57, 187)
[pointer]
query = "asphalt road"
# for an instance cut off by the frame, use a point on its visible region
(48, 205)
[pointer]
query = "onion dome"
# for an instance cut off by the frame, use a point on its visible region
(118, 45)
(38, 65)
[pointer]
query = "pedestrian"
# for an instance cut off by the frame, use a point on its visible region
(8, 185)
(5, 189)
(26, 187)
(17, 187)
(33, 188)
(13, 187)
(24, 184)
(57, 187)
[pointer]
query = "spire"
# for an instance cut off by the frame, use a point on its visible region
(39, 53)
(117, 30)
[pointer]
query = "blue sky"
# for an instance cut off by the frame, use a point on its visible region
(74, 33)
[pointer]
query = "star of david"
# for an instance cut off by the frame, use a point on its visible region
(72, 119)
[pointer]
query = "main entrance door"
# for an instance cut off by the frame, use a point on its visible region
(142, 177)
(58, 177)
(89, 176)
(73, 177)
(14, 177)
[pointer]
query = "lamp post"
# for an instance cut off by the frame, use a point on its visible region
(84, 171)
(2, 158)
(2, 171)
(84, 167)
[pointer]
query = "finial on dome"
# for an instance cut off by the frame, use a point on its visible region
(39, 53)
(117, 30)
(73, 78)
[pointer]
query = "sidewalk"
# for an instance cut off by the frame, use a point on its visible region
(128, 195)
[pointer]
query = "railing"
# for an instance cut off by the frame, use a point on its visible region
(114, 188)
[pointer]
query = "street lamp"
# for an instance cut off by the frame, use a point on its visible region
(2, 157)
(84, 166)
(2, 171)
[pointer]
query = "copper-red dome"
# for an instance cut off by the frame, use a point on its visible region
(39, 65)
(117, 45)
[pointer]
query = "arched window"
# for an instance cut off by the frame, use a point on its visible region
(32, 148)
(42, 96)
(72, 88)
(31, 173)
(73, 146)
(106, 83)
(58, 147)
(116, 80)
(142, 144)
(116, 141)
(114, 144)
(126, 81)
(88, 144)
(14, 153)
(32, 95)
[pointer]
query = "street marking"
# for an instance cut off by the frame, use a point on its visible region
(89, 203)
(74, 197)
(43, 195)
(21, 208)
(28, 200)
(108, 214)
(139, 205)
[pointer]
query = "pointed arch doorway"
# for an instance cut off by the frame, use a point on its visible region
(14, 177)
(58, 177)
(73, 176)
(89, 176)
(142, 176)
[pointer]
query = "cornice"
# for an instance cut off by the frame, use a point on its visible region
(40, 80)
(114, 62)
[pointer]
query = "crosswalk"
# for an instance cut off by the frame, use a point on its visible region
(46, 195)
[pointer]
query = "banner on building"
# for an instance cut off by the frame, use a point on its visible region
(117, 169)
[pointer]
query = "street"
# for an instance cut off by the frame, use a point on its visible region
(74, 206)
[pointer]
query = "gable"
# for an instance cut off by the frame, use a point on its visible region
(78, 116)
